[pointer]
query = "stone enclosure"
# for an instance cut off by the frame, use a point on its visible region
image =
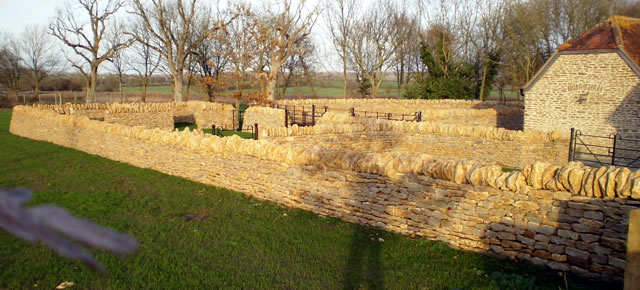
(443, 181)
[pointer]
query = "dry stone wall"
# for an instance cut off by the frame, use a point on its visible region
(597, 93)
(510, 154)
(151, 115)
(513, 149)
(264, 116)
(570, 218)
(455, 112)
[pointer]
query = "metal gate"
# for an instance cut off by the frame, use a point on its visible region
(604, 150)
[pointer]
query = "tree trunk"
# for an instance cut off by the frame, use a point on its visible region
(186, 96)
(177, 87)
(92, 84)
(236, 122)
(36, 90)
(344, 81)
(344, 73)
(120, 87)
(270, 88)
(144, 90)
(485, 70)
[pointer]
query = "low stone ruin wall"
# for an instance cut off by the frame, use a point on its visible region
(151, 115)
(569, 218)
(264, 116)
(513, 149)
(455, 112)
(510, 154)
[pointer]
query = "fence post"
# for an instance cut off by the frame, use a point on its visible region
(313, 115)
(389, 116)
(613, 154)
(213, 129)
(286, 117)
(571, 141)
(325, 109)
(353, 112)
(419, 116)
(255, 132)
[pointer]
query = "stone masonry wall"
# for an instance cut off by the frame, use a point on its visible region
(152, 115)
(596, 93)
(510, 154)
(264, 116)
(570, 218)
(454, 112)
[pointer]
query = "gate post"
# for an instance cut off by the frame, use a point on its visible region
(286, 117)
(255, 131)
(613, 154)
(571, 141)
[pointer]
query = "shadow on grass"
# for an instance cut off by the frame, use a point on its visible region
(364, 267)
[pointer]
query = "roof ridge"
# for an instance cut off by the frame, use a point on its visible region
(617, 31)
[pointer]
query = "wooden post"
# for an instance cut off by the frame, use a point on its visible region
(632, 272)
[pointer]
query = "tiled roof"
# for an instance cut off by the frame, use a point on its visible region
(617, 32)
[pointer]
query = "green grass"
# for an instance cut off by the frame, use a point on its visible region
(182, 126)
(244, 243)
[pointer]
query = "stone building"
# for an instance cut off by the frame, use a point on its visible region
(591, 83)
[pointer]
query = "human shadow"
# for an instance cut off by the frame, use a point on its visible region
(364, 267)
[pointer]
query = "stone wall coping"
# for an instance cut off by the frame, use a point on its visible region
(338, 123)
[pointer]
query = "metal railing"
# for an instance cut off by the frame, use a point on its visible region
(222, 132)
(415, 117)
(301, 115)
(604, 150)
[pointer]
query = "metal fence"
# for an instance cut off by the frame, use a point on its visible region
(308, 115)
(302, 115)
(604, 150)
(414, 117)
(251, 130)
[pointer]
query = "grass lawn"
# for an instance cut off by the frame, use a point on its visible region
(246, 135)
(243, 242)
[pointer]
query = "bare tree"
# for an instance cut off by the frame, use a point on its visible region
(212, 59)
(283, 31)
(174, 35)
(298, 64)
(85, 36)
(407, 54)
(372, 45)
(143, 59)
(120, 65)
(243, 46)
(341, 16)
(38, 55)
(11, 69)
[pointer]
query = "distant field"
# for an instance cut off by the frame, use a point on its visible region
(330, 89)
